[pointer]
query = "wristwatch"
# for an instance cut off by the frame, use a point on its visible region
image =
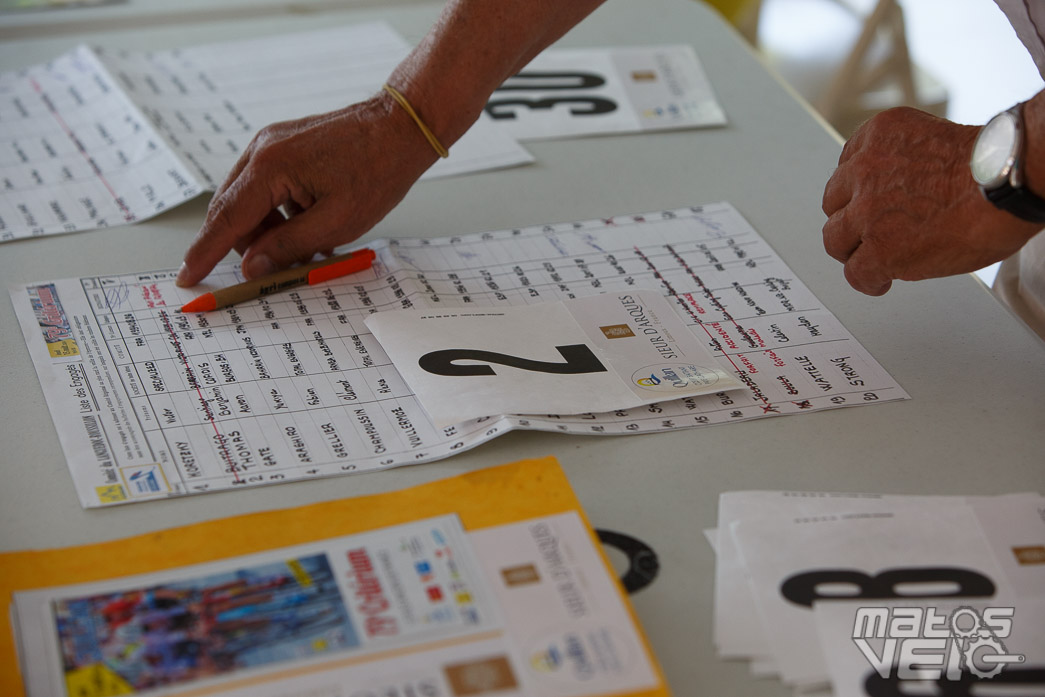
(997, 166)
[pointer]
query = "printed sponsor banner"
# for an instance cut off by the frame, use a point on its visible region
(54, 325)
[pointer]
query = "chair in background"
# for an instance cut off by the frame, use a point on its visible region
(743, 14)
(848, 58)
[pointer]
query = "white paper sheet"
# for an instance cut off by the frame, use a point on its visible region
(863, 544)
(587, 355)
(588, 91)
(150, 403)
(798, 552)
(739, 631)
(101, 137)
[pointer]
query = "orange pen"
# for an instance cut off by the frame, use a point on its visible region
(313, 273)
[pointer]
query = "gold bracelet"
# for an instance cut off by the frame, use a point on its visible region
(396, 95)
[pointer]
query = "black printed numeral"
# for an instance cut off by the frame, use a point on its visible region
(805, 588)
(579, 359)
(534, 81)
(579, 105)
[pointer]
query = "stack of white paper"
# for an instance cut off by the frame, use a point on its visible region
(851, 594)
(102, 137)
(99, 137)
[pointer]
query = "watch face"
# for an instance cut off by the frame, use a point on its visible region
(995, 149)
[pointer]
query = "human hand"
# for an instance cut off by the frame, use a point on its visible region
(336, 174)
(903, 205)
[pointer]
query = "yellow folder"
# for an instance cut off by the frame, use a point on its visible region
(495, 496)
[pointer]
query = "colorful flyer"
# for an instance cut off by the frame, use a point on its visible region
(487, 583)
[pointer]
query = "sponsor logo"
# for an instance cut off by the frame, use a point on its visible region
(367, 595)
(546, 661)
(567, 653)
(145, 480)
(672, 377)
(480, 677)
(54, 325)
(424, 571)
(1029, 555)
(110, 493)
(617, 331)
(522, 575)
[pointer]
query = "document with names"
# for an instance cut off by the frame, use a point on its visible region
(151, 403)
(100, 137)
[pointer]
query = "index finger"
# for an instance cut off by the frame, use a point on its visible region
(233, 215)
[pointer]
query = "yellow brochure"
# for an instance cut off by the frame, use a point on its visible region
(488, 583)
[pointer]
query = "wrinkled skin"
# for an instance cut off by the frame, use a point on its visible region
(902, 204)
(307, 186)
(304, 167)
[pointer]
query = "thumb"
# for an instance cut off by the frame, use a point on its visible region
(295, 240)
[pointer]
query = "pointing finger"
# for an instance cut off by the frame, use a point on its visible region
(233, 215)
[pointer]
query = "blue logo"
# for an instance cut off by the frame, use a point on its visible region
(145, 482)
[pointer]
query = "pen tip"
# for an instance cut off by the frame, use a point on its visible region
(204, 303)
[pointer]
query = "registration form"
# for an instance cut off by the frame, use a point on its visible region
(151, 403)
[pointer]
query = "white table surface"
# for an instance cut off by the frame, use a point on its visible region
(975, 423)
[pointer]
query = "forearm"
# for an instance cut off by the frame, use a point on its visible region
(340, 173)
(473, 47)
